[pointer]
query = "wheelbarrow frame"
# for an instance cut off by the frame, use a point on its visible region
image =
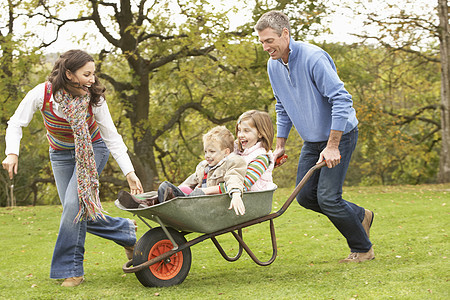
(129, 268)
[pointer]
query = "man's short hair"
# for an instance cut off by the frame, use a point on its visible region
(220, 135)
(274, 19)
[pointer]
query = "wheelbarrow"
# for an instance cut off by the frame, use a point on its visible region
(162, 256)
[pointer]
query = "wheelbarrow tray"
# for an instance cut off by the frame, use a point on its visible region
(204, 214)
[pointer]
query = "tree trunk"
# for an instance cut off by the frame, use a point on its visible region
(144, 158)
(444, 164)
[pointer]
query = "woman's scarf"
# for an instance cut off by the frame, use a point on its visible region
(75, 110)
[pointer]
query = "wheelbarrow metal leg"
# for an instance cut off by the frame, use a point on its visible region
(222, 252)
(145, 222)
(252, 255)
(175, 245)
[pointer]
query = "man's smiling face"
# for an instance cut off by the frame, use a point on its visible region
(277, 46)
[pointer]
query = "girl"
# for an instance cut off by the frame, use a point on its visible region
(81, 133)
(254, 132)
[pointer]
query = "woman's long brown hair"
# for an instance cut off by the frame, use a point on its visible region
(73, 60)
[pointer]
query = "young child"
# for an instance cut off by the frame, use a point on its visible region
(222, 171)
(254, 132)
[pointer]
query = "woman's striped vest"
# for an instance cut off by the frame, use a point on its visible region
(59, 132)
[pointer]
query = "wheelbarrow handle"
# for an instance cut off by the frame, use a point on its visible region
(300, 186)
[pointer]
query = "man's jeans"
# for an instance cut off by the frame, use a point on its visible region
(69, 249)
(323, 192)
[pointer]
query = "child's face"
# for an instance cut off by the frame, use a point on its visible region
(213, 153)
(247, 134)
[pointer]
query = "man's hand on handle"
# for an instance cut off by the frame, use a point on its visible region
(331, 156)
(331, 153)
(278, 154)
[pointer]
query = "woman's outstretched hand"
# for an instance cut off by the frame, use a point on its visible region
(10, 164)
(134, 183)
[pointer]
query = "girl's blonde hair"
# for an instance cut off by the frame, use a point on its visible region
(220, 135)
(263, 123)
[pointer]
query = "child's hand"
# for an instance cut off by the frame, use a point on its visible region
(237, 204)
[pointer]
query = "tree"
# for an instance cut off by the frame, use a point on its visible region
(19, 68)
(444, 38)
(414, 27)
(393, 146)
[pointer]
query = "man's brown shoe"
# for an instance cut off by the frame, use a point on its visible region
(367, 222)
(359, 256)
(72, 281)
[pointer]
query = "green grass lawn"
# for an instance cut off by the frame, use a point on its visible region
(409, 233)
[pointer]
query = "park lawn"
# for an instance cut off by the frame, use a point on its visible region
(409, 233)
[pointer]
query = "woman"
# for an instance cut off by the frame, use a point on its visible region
(81, 134)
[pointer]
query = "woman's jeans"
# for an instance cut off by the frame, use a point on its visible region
(69, 249)
(323, 191)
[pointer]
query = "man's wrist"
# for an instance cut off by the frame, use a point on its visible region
(281, 142)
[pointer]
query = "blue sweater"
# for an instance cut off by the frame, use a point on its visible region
(310, 94)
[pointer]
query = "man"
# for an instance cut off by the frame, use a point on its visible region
(311, 97)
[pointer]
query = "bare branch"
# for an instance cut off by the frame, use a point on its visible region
(113, 5)
(118, 86)
(404, 48)
(183, 53)
(225, 68)
(144, 36)
(141, 17)
(96, 18)
(408, 119)
(59, 23)
(198, 107)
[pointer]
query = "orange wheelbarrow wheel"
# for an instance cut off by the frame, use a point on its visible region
(167, 272)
